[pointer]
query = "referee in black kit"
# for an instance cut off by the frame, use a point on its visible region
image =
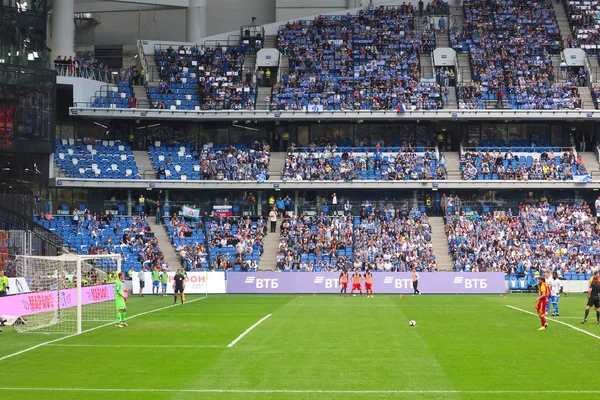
(593, 299)
(178, 286)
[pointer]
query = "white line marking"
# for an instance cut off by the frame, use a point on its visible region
(141, 346)
(301, 391)
(557, 321)
(90, 330)
(237, 339)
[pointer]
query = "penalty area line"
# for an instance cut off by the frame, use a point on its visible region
(89, 330)
(247, 331)
(557, 321)
(141, 346)
(300, 391)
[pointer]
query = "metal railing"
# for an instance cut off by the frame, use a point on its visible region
(104, 75)
(502, 149)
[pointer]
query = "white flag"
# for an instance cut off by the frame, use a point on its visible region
(189, 212)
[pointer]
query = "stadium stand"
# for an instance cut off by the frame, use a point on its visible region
(393, 240)
(510, 45)
(88, 233)
(583, 19)
(521, 163)
(202, 78)
(189, 240)
(119, 96)
(368, 61)
(536, 237)
(100, 159)
(363, 163)
(235, 243)
(183, 161)
(315, 243)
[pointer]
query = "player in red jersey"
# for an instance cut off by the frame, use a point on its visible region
(369, 283)
(542, 300)
(344, 282)
(356, 278)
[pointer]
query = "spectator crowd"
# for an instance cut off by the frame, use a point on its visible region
(393, 239)
(510, 44)
(232, 162)
(211, 78)
(536, 237)
(370, 163)
(368, 61)
(507, 165)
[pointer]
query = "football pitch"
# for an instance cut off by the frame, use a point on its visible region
(314, 347)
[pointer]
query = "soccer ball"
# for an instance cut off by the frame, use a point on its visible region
(412, 322)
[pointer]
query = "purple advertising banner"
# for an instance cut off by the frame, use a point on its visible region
(383, 282)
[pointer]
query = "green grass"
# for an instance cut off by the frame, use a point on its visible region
(463, 347)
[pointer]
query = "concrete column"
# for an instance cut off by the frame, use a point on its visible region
(129, 203)
(196, 20)
(352, 3)
(259, 203)
(63, 28)
(167, 214)
(50, 201)
(295, 202)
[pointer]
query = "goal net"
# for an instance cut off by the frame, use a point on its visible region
(65, 294)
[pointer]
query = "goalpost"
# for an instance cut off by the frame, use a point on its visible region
(63, 293)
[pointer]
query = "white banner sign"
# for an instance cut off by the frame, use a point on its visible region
(195, 283)
(314, 108)
(17, 286)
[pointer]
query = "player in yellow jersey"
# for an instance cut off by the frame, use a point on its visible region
(120, 300)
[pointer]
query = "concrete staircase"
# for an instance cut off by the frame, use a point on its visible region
(270, 42)
(276, 165)
(442, 40)
(426, 66)
(465, 67)
(261, 94)
(440, 244)
(271, 248)
(595, 66)
(151, 73)
(452, 101)
(139, 92)
(587, 101)
(164, 242)
(591, 164)
(453, 165)
(556, 60)
(563, 21)
(249, 64)
(142, 159)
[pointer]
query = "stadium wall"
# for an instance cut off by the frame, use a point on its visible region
(222, 16)
(83, 89)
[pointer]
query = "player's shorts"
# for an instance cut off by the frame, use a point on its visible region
(3, 293)
(541, 306)
(368, 286)
(120, 304)
(356, 286)
(344, 285)
(594, 301)
(142, 284)
(155, 283)
(178, 289)
(164, 285)
(553, 299)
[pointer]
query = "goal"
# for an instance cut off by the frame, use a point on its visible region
(65, 294)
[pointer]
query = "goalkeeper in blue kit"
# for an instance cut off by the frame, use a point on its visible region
(120, 300)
